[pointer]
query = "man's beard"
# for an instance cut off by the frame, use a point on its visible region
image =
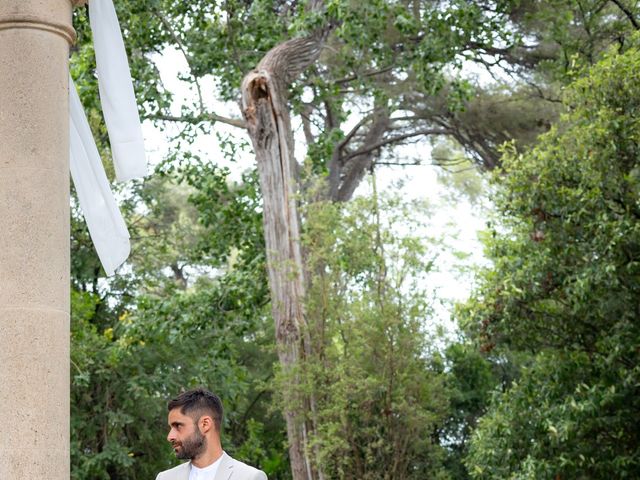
(192, 446)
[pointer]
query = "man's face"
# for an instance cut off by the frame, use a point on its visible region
(184, 436)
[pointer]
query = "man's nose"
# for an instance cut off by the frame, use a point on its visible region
(171, 436)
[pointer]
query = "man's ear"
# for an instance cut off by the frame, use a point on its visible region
(205, 423)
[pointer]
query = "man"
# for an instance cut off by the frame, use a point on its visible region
(195, 419)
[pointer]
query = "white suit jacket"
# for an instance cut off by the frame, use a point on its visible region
(229, 469)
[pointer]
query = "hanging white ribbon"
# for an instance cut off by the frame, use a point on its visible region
(104, 220)
(116, 92)
(105, 223)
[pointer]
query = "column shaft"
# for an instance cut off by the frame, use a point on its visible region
(34, 238)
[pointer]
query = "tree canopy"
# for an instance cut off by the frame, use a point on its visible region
(564, 288)
(542, 381)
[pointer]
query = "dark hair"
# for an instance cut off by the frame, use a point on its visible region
(198, 402)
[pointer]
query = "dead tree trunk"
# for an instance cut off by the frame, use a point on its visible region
(264, 105)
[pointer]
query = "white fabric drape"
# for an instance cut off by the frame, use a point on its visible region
(116, 92)
(105, 223)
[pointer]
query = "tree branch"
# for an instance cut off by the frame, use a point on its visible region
(331, 121)
(353, 131)
(408, 118)
(396, 139)
(415, 163)
(356, 76)
(204, 117)
(628, 13)
(181, 47)
(305, 115)
(354, 171)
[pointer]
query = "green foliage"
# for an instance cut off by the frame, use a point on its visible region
(376, 395)
(470, 378)
(564, 286)
(458, 175)
(572, 35)
(380, 53)
(191, 306)
(124, 374)
(570, 207)
(177, 318)
(568, 416)
(233, 208)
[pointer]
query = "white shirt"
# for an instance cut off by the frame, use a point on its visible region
(206, 473)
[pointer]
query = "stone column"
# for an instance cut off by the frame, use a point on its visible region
(35, 36)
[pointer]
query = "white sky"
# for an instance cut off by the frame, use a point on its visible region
(461, 221)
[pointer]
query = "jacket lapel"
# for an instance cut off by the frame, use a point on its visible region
(183, 474)
(225, 469)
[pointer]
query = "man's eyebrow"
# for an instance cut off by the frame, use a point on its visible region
(176, 424)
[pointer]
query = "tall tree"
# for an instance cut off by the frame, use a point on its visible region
(564, 288)
(378, 397)
(265, 109)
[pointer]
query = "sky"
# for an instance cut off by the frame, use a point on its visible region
(458, 221)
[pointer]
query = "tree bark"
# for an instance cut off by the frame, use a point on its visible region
(356, 168)
(264, 106)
